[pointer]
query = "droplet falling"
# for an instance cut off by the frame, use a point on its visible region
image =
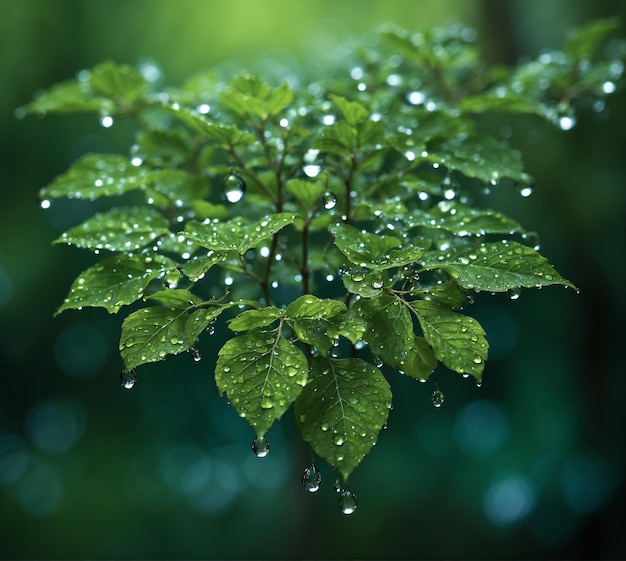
(437, 397)
(514, 293)
(195, 354)
(260, 447)
(311, 479)
(330, 200)
(234, 188)
(347, 501)
(128, 378)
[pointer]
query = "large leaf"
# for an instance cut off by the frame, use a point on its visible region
(375, 251)
(456, 339)
(149, 334)
(237, 234)
(119, 229)
(496, 267)
(342, 409)
(262, 374)
(389, 330)
(420, 361)
(97, 175)
(116, 281)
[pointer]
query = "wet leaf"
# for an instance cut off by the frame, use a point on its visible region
(117, 82)
(312, 307)
(420, 361)
(175, 298)
(252, 319)
(71, 96)
(342, 409)
(199, 265)
(262, 374)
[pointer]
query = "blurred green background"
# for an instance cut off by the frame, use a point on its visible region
(531, 465)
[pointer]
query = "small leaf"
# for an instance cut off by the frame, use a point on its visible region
(177, 186)
(175, 298)
(375, 251)
(342, 409)
(583, 42)
(237, 234)
(119, 229)
(252, 319)
(349, 325)
(200, 319)
(389, 330)
(456, 339)
(312, 307)
(354, 113)
(307, 193)
(197, 267)
(97, 175)
(420, 361)
(117, 81)
(363, 282)
(496, 267)
(71, 96)
(149, 334)
(262, 374)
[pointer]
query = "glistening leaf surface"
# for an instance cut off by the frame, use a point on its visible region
(342, 409)
(119, 229)
(496, 267)
(116, 281)
(262, 374)
(149, 334)
(457, 340)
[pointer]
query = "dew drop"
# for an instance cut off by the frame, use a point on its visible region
(330, 200)
(128, 379)
(45, 204)
(514, 293)
(437, 398)
(195, 354)
(260, 447)
(210, 329)
(311, 479)
(266, 403)
(106, 121)
(234, 188)
(347, 501)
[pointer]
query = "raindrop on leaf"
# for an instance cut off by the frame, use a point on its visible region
(234, 188)
(311, 479)
(128, 379)
(195, 354)
(260, 447)
(330, 200)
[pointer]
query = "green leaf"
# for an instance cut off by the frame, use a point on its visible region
(349, 325)
(389, 330)
(72, 96)
(197, 267)
(420, 361)
(496, 267)
(252, 319)
(583, 42)
(200, 319)
(116, 281)
(177, 186)
(250, 95)
(119, 229)
(307, 193)
(375, 251)
(501, 100)
(339, 138)
(262, 374)
(456, 339)
(354, 113)
(463, 220)
(117, 81)
(177, 298)
(312, 307)
(96, 175)
(482, 157)
(227, 136)
(342, 409)
(363, 282)
(159, 147)
(149, 334)
(237, 234)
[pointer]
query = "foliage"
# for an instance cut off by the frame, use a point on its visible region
(333, 225)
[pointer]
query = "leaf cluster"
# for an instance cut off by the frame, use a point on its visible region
(332, 225)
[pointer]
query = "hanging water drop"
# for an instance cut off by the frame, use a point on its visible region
(329, 199)
(128, 379)
(347, 501)
(260, 447)
(210, 329)
(106, 121)
(377, 284)
(437, 397)
(234, 188)
(514, 293)
(311, 479)
(195, 354)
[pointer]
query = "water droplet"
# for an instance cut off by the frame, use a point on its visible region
(195, 354)
(479, 382)
(210, 329)
(377, 283)
(338, 440)
(311, 479)
(106, 121)
(514, 293)
(437, 398)
(526, 191)
(266, 403)
(347, 501)
(415, 98)
(45, 204)
(234, 188)
(128, 378)
(567, 122)
(329, 199)
(260, 447)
